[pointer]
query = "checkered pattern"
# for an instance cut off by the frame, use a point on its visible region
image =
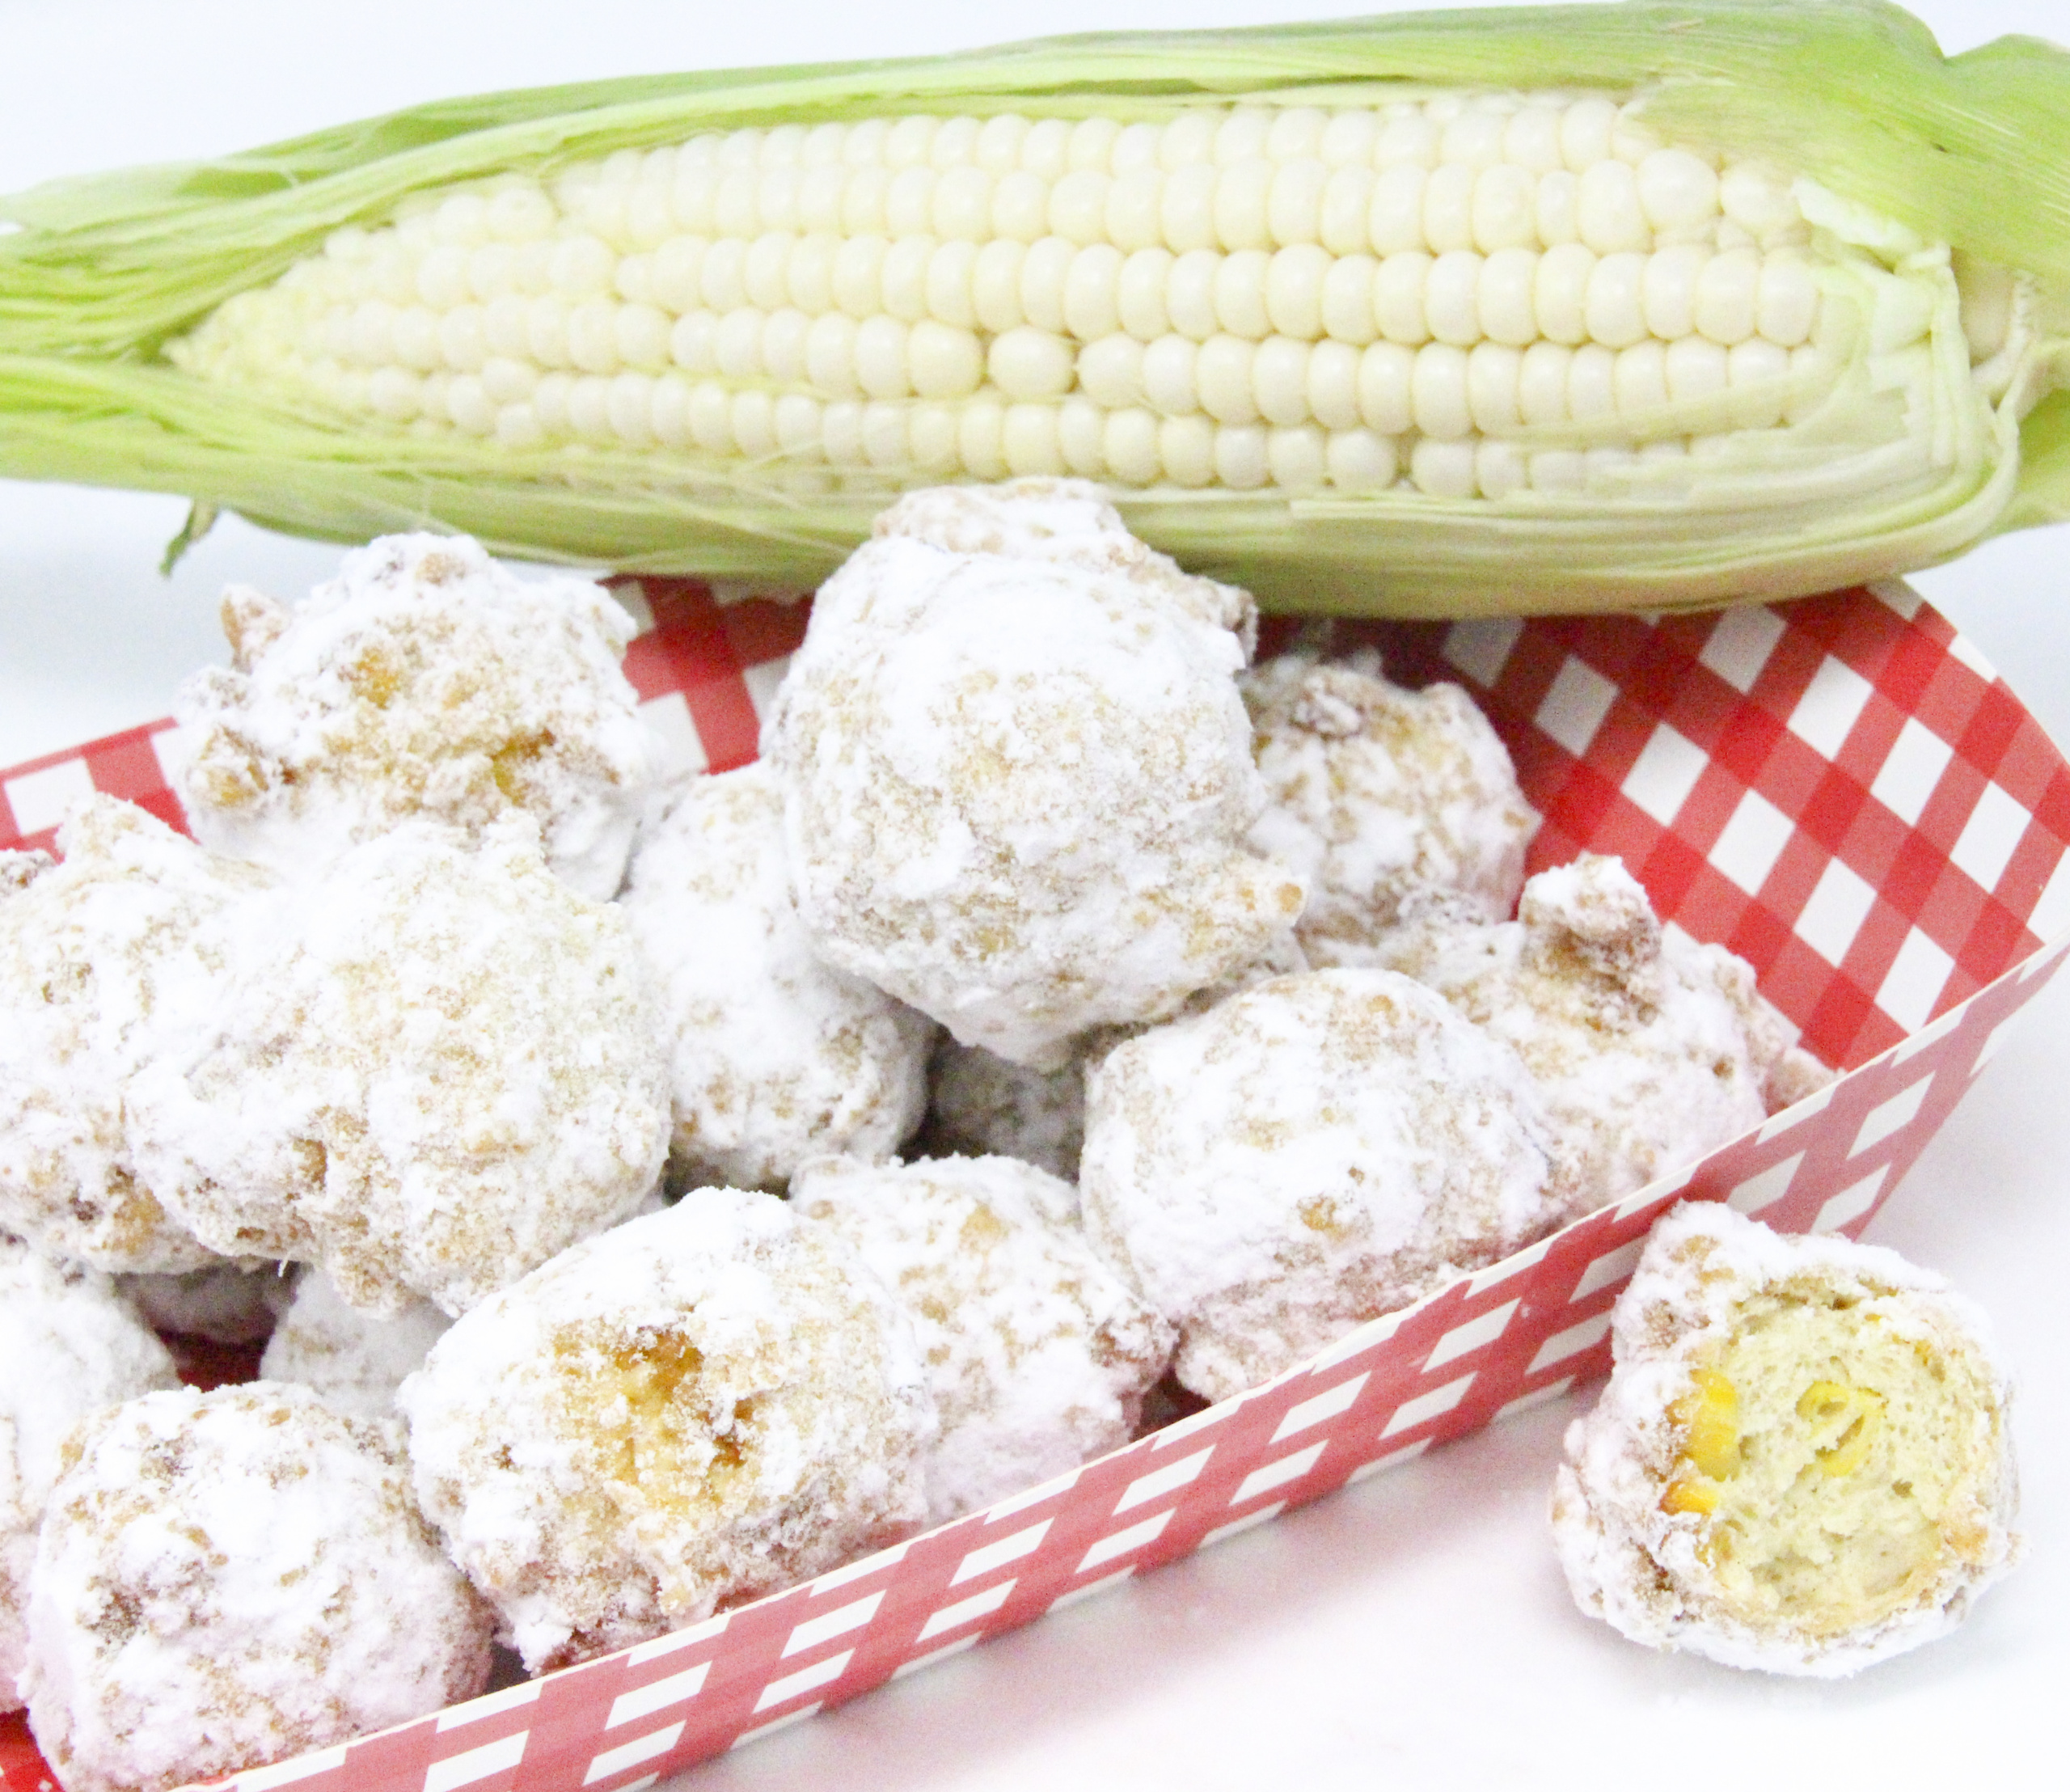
(705, 670)
(1840, 790)
(136, 763)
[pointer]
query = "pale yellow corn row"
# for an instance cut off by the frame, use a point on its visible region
(1243, 297)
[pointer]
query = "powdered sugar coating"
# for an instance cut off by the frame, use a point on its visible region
(19, 870)
(69, 1345)
(355, 1361)
(228, 1579)
(701, 1406)
(449, 1072)
(1311, 1154)
(980, 1105)
(1651, 1050)
(1385, 799)
(1038, 1355)
(424, 680)
(1018, 774)
(1937, 1489)
(1789, 1073)
(774, 1057)
(107, 962)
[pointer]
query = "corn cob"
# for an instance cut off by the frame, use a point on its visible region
(1733, 300)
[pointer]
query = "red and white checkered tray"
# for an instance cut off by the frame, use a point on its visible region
(1841, 790)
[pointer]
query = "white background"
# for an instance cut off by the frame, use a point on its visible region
(1413, 1631)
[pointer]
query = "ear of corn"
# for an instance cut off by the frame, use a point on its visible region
(1547, 308)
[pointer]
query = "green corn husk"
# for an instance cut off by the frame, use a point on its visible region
(1971, 152)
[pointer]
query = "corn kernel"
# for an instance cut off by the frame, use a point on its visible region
(1692, 1495)
(1709, 1418)
(1847, 1417)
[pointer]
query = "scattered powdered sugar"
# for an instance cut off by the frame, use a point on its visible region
(1736, 1494)
(700, 1407)
(1385, 799)
(1639, 1037)
(69, 1345)
(424, 680)
(774, 1057)
(451, 1071)
(1314, 1152)
(109, 962)
(355, 1361)
(1038, 1355)
(1018, 774)
(227, 1579)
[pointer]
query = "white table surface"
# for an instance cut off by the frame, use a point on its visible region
(1412, 1631)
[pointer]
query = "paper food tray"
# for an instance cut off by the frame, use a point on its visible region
(1840, 790)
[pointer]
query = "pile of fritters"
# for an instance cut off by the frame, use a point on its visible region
(1037, 882)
